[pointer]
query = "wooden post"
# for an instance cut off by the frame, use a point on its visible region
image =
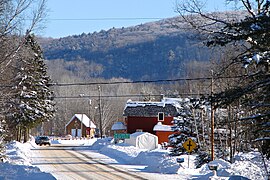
(188, 159)
(230, 129)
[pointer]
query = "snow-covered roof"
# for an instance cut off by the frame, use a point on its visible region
(118, 126)
(151, 108)
(162, 103)
(160, 127)
(84, 119)
(175, 100)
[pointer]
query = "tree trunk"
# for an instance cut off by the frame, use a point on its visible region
(18, 138)
(25, 135)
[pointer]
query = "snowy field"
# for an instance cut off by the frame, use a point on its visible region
(248, 165)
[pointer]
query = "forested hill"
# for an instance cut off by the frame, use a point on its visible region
(156, 50)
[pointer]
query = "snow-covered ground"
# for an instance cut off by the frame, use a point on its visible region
(247, 165)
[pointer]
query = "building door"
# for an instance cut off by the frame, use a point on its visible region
(79, 133)
(73, 132)
(76, 132)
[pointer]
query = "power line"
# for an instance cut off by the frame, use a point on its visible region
(145, 81)
(103, 19)
(136, 82)
(126, 95)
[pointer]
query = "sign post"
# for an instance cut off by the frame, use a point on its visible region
(189, 145)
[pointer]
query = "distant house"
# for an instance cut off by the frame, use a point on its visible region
(144, 116)
(119, 127)
(80, 126)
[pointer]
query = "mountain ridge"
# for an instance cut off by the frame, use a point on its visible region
(154, 50)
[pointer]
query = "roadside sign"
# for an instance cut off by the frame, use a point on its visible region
(121, 136)
(189, 145)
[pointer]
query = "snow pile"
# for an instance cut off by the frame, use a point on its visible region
(249, 162)
(79, 142)
(223, 169)
(122, 152)
(18, 165)
(17, 153)
(247, 165)
(157, 161)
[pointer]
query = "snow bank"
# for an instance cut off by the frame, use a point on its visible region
(124, 153)
(18, 165)
(247, 165)
(157, 162)
(13, 171)
(82, 142)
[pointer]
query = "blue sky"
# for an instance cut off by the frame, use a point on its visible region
(68, 17)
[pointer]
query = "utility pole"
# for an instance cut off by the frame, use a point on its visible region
(230, 129)
(100, 116)
(212, 119)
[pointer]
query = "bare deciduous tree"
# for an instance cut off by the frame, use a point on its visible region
(17, 20)
(247, 30)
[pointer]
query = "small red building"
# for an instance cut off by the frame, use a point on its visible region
(80, 126)
(119, 127)
(162, 132)
(144, 116)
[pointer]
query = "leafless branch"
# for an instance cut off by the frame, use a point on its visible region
(15, 15)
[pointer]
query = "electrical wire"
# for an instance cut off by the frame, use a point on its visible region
(126, 95)
(137, 82)
(104, 19)
(145, 81)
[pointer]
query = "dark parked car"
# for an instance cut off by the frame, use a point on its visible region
(40, 140)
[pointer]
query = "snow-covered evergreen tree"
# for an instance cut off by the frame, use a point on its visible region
(32, 100)
(183, 125)
(189, 124)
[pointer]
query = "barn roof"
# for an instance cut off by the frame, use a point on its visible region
(84, 119)
(169, 106)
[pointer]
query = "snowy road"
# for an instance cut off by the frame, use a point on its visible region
(99, 159)
(63, 162)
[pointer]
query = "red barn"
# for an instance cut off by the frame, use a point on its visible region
(143, 116)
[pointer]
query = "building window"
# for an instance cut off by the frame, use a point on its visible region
(160, 116)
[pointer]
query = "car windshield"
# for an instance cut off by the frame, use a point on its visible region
(44, 138)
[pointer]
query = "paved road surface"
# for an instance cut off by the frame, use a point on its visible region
(65, 163)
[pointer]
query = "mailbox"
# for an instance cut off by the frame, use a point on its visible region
(212, 167)
(180, 160)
